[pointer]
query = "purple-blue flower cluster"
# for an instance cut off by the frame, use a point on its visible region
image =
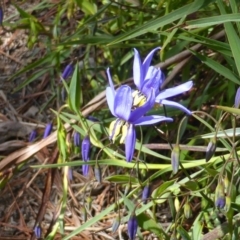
(130, 106)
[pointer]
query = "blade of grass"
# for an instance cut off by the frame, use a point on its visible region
(232, 37)
(224, 71)
(161, 21)
(209, 21)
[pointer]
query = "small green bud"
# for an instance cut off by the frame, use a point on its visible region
(83, 213)
(228, 203)
(226, 183)
(220, 196)
(175, 157)
(177, 204)
(187, 210)
(116, 224)
(211, 148)
(127, 189)
(89, 202)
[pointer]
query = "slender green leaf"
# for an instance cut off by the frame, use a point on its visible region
(75, 91)
(209, 21)
(224, 71)
(155, 24)
(232, 36)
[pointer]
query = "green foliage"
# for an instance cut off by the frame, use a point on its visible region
(101, 34)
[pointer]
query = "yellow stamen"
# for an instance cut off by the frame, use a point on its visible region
(115, 129)
(124, 133)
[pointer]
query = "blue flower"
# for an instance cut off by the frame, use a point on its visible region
(145, 193)
(86, 145)
(32, 135)
(48, 130)
(147, 77)
(120, 103)
(237, 98)
(1, 15)
(68, 70)
(85, 170)
(132, 227)
(220, 202)
(37, 231)
(76, 139)
(220, 199)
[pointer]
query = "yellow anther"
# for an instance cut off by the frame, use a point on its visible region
(138, 100)
(142, 102)
(115, 128)
(124, 133)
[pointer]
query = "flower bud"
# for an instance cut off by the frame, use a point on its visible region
(145, 193)
(37, 231)
(211, 148)
(89, 202)
(127, 189)
(237, 98)
(70, 174)
(1, 15)
(187, 210)
(226, 183)
(175, 158)
(228, 203)
(48, 130)
(98, 173)
(32, 135)
(93, 119)
(132, 227)
(76, 139)
(116, 224)
(63, 94)
(142, 175)
(67, 72)
(177, 204)
(83, 213)
(220, 200)
(85, 170)
(86, 144)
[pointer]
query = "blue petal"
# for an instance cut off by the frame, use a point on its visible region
(132, 227)
(130, 142)
(237, 99)
(85, 169)
(86, 145)
(110, 100)
(149, 120)
(147, 60)
(123, 102)
(110, 81)
(174, 91)
(154, 82)
(137, 70)
(140, 111)
(177, 105)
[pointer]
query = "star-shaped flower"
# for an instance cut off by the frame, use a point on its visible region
(120, 103)
(147, 77)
